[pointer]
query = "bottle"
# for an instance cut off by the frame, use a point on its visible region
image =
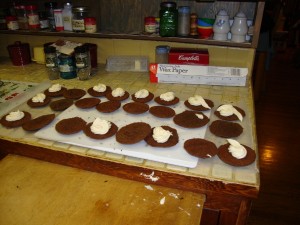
(162, 54)
(51, 62)
(184, 21)
(83, 62)
(67, 16)
(59, 25)
(79, 13)
(44, 22)
(193, 24)
(50, 6)
(168, 19)
(33, 17)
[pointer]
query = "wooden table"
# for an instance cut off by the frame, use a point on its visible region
(228, 190)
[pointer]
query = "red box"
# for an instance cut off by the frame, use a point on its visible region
(190, 56)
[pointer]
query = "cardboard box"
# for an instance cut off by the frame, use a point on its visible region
(194, 74)
(189, 56)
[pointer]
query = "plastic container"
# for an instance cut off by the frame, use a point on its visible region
(33, 17)
(67, 16)
(58, 17)
(127, 63)
(51, 62)
(79, 13)
(168, 19)
(184, 20)
(162, 54)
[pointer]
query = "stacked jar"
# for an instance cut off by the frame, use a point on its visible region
(168, 19)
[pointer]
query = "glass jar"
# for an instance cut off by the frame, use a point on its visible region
(22, 17)
(83, 62)
(51, 62)
(50, 6)
(79, 13)
(90, 25)
(44, 22)
(67, 66)
(33, 17)
(12, 22)
(162, 54)
(168, 19)
(184, 21)
(150, 25)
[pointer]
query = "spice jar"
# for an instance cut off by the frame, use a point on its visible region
(44, 22)
(79, 13)
(90, 25)
(33, 17)
(150, 25)
(184, 21)
(83, 62)
(12, 23)
(22, 18)
(51, 62)
(93, 54)
(168, 19)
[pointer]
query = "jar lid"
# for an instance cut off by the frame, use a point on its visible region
(80, 9)
(89, 19)
(68, 4)
(49, 49)
(10, 18)
(149, 19)
(162, 49)
(168, 4)
(31, 7)
(184, 9)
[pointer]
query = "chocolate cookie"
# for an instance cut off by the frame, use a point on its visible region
(61, 104)
(38, 123)
(17, 123)
(86, 103)
(120, 98)
(200, 148)
(199, 107)
(56, 93)
(70, 125)
(167, 103)
(227, 157)
(143, 100)
(172, 141)
(233, 117)
(133, 133)
(94, 93)
(112, 131)
(74, 93)
(136, 107)
(38, 104)
(162, 111)
(108, 106)
(189, 119)
(225, 129)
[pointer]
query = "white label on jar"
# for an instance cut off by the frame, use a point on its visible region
(13, 25)
(150, 28)
(90, 28)
(78, 25)
(65, 68)
(33, 19)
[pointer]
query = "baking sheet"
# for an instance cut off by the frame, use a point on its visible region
(175, 155)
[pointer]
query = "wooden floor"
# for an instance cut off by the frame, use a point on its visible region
(278, 132)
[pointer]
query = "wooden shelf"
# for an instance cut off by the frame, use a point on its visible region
(192, 40)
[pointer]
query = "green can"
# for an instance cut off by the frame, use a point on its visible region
(168, 19)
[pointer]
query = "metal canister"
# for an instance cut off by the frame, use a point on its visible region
(168, 19)
(67, 67)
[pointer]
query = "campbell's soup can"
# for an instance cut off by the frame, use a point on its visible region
(190, 56)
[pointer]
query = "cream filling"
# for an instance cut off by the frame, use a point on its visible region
(99, 88)
(143, 93)
(168, 96)
(14, 116)
(236, 149)
(54, 88)
(118, 92)
(40, 97)
(198, 100)
(100, 126)
(228, 110)
(200, 116)
(161, 135)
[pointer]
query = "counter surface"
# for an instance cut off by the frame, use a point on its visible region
(212, 169)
